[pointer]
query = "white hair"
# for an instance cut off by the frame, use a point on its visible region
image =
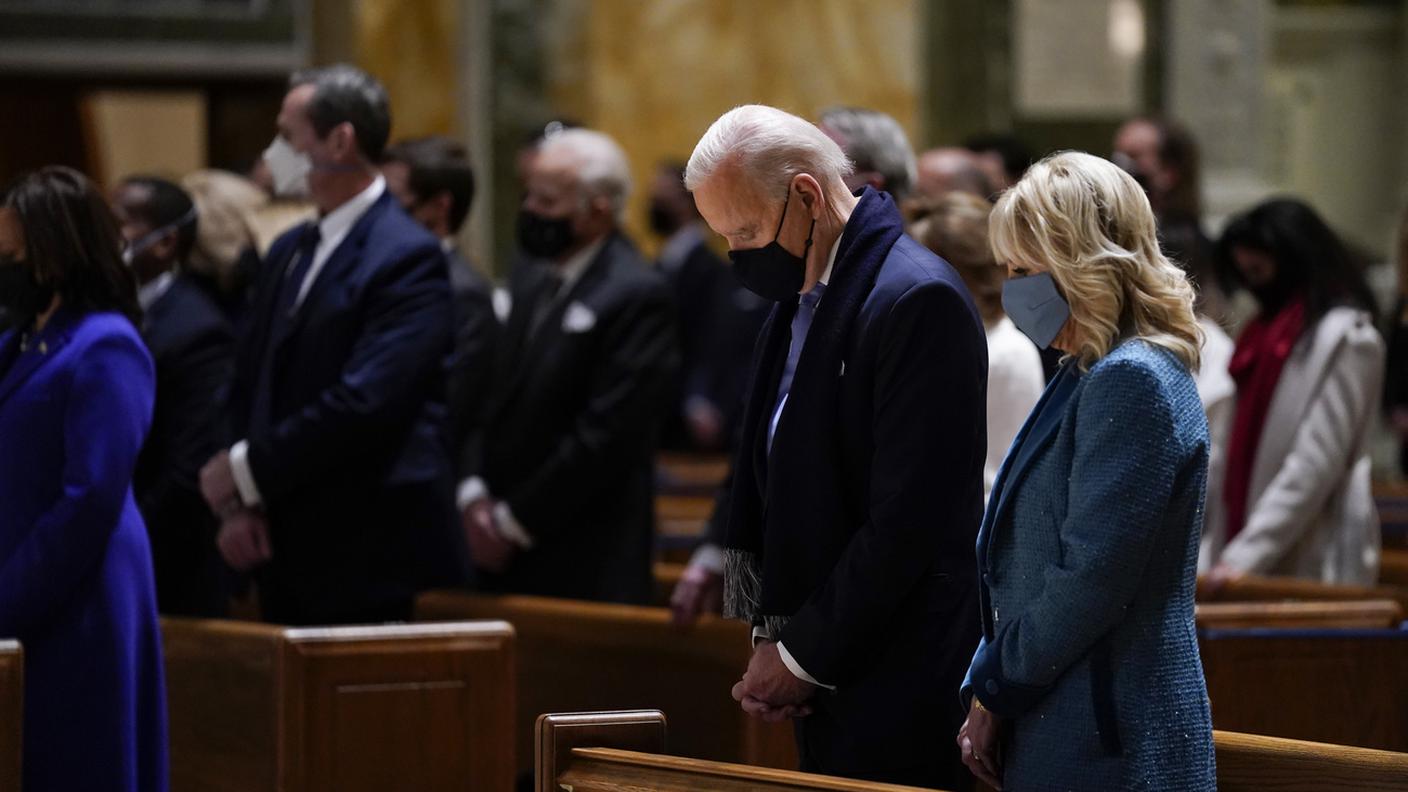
(769, 147)
(598, 161)
(876, 142)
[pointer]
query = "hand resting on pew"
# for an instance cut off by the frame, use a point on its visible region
(769, 690)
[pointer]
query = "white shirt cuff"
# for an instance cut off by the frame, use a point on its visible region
(797, 671)
(759, 635)
(471, 490)
(244, 477)
(510, 528)
(709, 557)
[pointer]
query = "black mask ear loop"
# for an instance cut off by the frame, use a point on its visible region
(807, 248)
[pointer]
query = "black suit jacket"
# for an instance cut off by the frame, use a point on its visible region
(193, 346)
(572, 434)
(352, 459)
(869, 503)
(472, 363)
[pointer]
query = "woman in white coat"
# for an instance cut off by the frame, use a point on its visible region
(1296, 497)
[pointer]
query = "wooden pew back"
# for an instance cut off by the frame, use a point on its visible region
(11, 713)
(626, 750)
(1255, 588)
(260, 707)
(1348, 687)
(1362, 614)
(579, 656)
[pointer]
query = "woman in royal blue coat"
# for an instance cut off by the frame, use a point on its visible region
(1088, 676)
(76, 391)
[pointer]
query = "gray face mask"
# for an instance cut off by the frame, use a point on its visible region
(1036, 307)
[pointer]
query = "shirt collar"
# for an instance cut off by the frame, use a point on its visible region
(830, 262)
(154, 290)
(336, 224)
(574, 268)
(673, 252)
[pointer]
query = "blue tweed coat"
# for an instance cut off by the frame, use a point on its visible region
(1088, 556)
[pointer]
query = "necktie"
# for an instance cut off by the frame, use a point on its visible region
(551, 289)
(801, 325)
(293, 280)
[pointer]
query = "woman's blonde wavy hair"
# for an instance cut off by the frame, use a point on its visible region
(1089, 224)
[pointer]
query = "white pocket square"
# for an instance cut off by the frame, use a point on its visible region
(578, 319)
(503, 305)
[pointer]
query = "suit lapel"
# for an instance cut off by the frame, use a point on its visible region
(26, 363)
(1036, 434)
(347, 253)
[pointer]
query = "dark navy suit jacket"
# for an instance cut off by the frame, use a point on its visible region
(869, 504)
(351, 459)
(193, 345)
(75, 569)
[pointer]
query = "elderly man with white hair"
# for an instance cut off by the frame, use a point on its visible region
(858, 484)
(563, 506)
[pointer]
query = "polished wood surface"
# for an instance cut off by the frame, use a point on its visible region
(1346, 687)
(556, 735)
(612, 770)
(11, 712)
(583, 656)
(1252, 763)
(260, 707)
(1365, 614)
(623, 751)
(1393, 567)
(1255, 588)
(690, 474)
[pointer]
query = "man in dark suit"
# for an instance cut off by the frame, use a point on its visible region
(857, 487)
(340, 488)
(193, 346)
(565, 504)
(432, 179)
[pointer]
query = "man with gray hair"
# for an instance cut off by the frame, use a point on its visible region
(338, 495)
(857, 487)
(564, 505)
(877, 147)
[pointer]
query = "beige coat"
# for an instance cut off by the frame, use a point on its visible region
(1310, 510)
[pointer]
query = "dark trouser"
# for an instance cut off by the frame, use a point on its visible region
(822, 746)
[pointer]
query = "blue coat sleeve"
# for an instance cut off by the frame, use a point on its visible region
(1121, 478)
(109, 409)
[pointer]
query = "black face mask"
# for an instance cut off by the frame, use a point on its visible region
(544, 237)
(661, 222)
(22, 297)
(770, 271)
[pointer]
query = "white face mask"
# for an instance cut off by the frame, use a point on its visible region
(289, 167)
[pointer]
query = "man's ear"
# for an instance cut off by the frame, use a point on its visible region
(343, 140)
(810, 192)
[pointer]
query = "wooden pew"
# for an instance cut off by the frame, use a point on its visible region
(579, 656)
(1393, 567)
(1348, 687)
(1255, 588)
(625, 750)
(258, 707)
(680, 524)
(690, 474)
(11, 713)
(667, 576)
(1361, 614)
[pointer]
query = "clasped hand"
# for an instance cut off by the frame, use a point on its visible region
(769, 690)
